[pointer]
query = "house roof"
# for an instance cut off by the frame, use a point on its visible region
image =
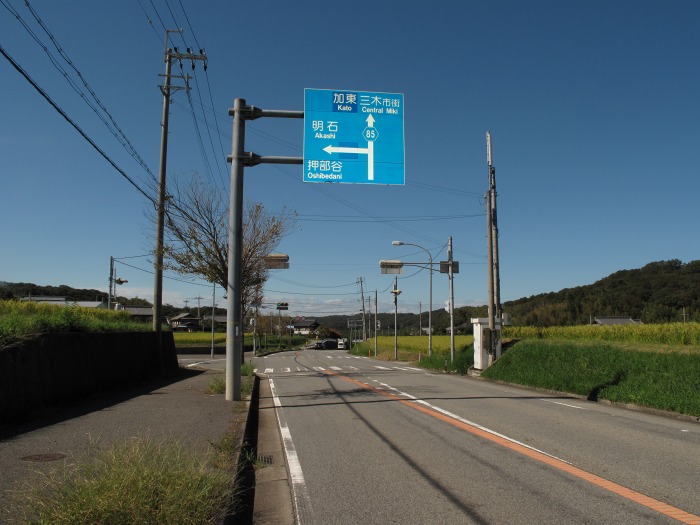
(309, 323)
(217, 318)
(616, 320)
(139, 310)
(62, 301)
(182, 316)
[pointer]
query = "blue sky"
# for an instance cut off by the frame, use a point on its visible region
(593, 108)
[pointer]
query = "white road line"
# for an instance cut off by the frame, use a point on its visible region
(381, 367)
(299, 491)
(466, 421)
(287, 370)
(319, 369)
(562, 404)
(302, 369)
(337, 368)
(255, 370)
(269, 370)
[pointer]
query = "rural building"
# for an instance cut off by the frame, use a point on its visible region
(305, 327)
(607, 321)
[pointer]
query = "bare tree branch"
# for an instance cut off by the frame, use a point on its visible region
(196, 236)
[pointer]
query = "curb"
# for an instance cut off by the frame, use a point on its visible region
(244, 475)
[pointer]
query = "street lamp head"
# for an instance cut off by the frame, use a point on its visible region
(397, 243)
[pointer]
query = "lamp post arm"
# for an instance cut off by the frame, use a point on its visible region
(430, 311)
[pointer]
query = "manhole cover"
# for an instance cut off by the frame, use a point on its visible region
(42, 458)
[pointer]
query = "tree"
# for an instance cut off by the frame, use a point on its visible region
(196, 236)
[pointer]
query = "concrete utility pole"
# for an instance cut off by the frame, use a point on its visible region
(111, 283)
(452, 300)
(166, 89)
(375, 323)
(362, 295)
(494, 226)
(492, 235)
(396, 293)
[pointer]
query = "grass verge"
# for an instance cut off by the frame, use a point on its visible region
(21, 319)
(414, 349)
(139, 482)
(605, 370)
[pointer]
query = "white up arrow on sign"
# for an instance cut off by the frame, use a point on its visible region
(369, 150)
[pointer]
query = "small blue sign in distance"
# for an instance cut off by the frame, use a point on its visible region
(354, 137)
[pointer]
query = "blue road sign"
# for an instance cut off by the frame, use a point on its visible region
(353, 137)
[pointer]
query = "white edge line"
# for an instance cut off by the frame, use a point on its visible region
(299, 490)
(562, 404)
(471, 423)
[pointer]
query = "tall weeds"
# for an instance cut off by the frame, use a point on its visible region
(20, 319)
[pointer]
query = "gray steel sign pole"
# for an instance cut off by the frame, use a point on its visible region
(239, 159)
(234, 348)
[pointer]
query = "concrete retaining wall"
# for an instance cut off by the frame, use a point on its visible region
(52, 369)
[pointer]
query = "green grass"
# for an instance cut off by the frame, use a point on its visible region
(140, 483)
(217, 384)
(605, 370)
(414, 349)
(658, 334)
(21, 319)
(183, 339)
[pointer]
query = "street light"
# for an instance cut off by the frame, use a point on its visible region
(430, 311)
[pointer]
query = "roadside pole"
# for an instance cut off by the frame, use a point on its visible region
(239, 159)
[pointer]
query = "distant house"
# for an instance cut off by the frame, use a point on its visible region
(607, 321)
(137, 313)
(218, 319)
(305, 327)
(459, 329)
(185, 321)
(62, 301)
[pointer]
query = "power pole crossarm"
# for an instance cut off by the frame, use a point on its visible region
(166, 89)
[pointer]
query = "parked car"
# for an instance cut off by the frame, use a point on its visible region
(341, 344)
(319, 346)
(330, 344)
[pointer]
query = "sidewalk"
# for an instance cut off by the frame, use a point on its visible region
(172, 409)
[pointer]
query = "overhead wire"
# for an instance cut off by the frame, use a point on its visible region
(109, 120)
(72, 123)
(151, 272)
(150, 22)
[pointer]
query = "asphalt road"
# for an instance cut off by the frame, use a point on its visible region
(373, 442)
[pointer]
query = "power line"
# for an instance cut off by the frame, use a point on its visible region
(158, 15)
(165, 276)
(278, 278)
(112, 125)
(354, 218)
(70, 121)
(148, 19)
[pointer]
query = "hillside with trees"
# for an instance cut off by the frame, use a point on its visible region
(660, 292)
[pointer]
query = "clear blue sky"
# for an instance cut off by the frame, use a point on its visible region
(593, 108)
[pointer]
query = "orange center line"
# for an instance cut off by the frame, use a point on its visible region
(632, 495)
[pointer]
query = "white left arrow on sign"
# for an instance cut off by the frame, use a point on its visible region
(369, 150)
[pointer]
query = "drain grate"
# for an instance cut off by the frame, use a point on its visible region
(266, 460)
(43, 458)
